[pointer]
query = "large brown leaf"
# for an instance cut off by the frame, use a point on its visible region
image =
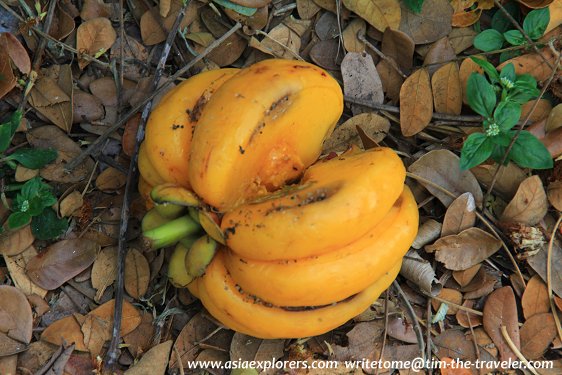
(416, 103)
(533, 64)
(380, 14)
(94, 37)
(535, 298)
(154, 361)
(537, 334)
(529, 205)
(431, 24)
(361, 79)
(446, 87)
(61, 262)
(399, 46)
(137, 273)
(460, 215)
(501, 310)
(16, 321)
(65, 330)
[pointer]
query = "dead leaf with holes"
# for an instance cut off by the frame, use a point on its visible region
(379, 14)
(501, 310)
(345, 135)
(446, 88)
(529, 205)
(94, 38)
(416, 103)
(361, 80)
(460, 215)
(461, 251)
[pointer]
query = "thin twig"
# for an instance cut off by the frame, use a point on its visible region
(393, 109)
(94, 146)
(413, 317)
(515, 350)
(113, 351)
(549, 277)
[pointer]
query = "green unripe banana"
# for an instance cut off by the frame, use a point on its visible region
(170, 232)
(169, 210)
(200, 255)
(152, 219)
(211, 227)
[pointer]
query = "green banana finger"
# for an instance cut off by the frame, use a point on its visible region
(200, 255)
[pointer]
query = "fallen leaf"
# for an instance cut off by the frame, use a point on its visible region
(110, 179)
(326, 54)
(71, 203)
(451, 295)
(94, 37)
(16, 241)
(460, 215)
(361, 80)
(442, 168)
(416, 103)
(391, 80)
(61, 261)
(440, 53)
(104, 270)
(24, 174)
(350, 40)
(129, 139)
(467, 319)
(16, 51)
(363, 342)
(529, 205)
(16, 321)
(132, 50)
(428, 232)
(345, 135)
(542, 110)
(555, 10)
(553, 121)
(453, 343)
(464, 277)
(465, 14)
(537, 333)
(461, 38)
(500, 310)
(247, 348)
(554, 194)
(535, 298)
(431, 24)
(140, 339)
(36, 355)
(468, 66)
(507, 181)
(461, 251)
(95, 8)
(446, 88)
(533, 64)
(281, 42)
(62, 24)
(400, 47)
(137, 273)
(380, 14)
(16, 266)
(65, 331)
(452, 368)
(154, 28)
(8, 81)
(155, 361)
(536, 4)
(401, 330)
(326, 27)
(307, 9)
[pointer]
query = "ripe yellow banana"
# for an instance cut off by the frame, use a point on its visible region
(244, 313)
(176, 268)
(336, 202)
(199, 256)
(149, 174)
(207, 221)
(174, 194)
(262, 128)
(336, 275)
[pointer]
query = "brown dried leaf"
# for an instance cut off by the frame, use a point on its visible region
(129, 134)
(8, 81)
(62, 25)
(450, 295)
(104, 270)
(380, 14)
(529, 205)
(140, 339)
(95, 8)
(307, 9)
(16, 321)
(542, 110)
(250, 348)
(25, 174)
(361, 80)
(467, 319)
(61, 261)
(533, 64)
(326, 26)
(282, 42)
(536, 4)
(555, 16)
(350, 41)
(420, 272)
(94, 37)
(553, 121)
(255, 22)
(464, 277)
(537, 334)
(400, 47)
(453, 343)
(416, 103)
(460, 215)
(132, 49)
(461, 38)
(468, 66)
(346, 134)
(110, 179)
(137, 274)
(400, 329)
(442, 168)
(16, 51)
(154, 28)
(446, 88)
(71, 203)
(362, 341)
(431, 24)
(507, 181)
(391, 80)
(154, 361)
(16, 266)
(461, 251)
(501, 310)
(86, 107)
(535, 298)
(325, 54)
(464, 13)
(439, 53)
(16, 241)
(554, 194)
(186, 343)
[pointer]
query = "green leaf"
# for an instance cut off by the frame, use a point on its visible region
(514, 37)
(47, 225)
(246, 11)
(536, 22)
(34, 158)
(18, 219)
(414, 5)
(481, 95)
(476, 149)
(507, 55)
(508, 72)
(8, 129)
(34, 196)
(489, 69)
(507, 114)
(500, 21)
(529, 152)
(489, 40)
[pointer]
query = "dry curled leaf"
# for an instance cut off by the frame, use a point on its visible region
(345, 135)
(380, 14)
(501, 310)
(461, 251)
(460, 215)
(553, 121)
(428, 232)
(16, 266)
(450, 295)
(467, 319)
(421, 273)
(464, 277)
(535, 298)
(529, 205)
(446, 88)
(94, 37)
(416, 103)
(361, 79)
(537, 334)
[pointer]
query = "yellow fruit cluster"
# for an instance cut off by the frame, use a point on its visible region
(295, 246)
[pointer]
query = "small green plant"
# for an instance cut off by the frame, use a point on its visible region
(414, 5)
(495, 38)
(498, 98)
(32, 204)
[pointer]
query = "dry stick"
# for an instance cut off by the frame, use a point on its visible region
(392, 63)
(94, 146)
(549, 277)
(456, 305)
(393, 109)
(518, 27)
(515, 350)
(412, 314)
(113, 352)
(385, 330)
(519, 129)
(428, 331)
(480, 216)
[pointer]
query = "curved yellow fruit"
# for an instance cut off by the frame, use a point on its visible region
(144, 190)
(242, 312)
(148, 173)
(177, 273)
(170, 125)
(336, 202)
(262, 128)
(336, 275)
(199, 256)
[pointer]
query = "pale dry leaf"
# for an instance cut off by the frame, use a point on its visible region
(554, 119)
(460, 215)
(537, 333)
(442, 168)
(110, 179)
(529, 205)
(501, 310)
(441, 52)
(25, 174)
(400, 47)
(416, 103)
(164, 7)
(282, 42)
(535, 298)
(155, 361)
(307, 9)
(104, 270)
(87, 107)
(507, 181)
(16, 321)
(69, 204)
(446, 88)
(94, 37)
(428, 232)
(16, 267)
(450, 295)
(464, 277)
(361, 80)
(350, 40)
(461, 38)
(137, 273)
(461, 251)
(420, 272)
(16, 241)
(346, 134)
(379, 14)
(554, 194)
(431, 24)
(65, 330)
